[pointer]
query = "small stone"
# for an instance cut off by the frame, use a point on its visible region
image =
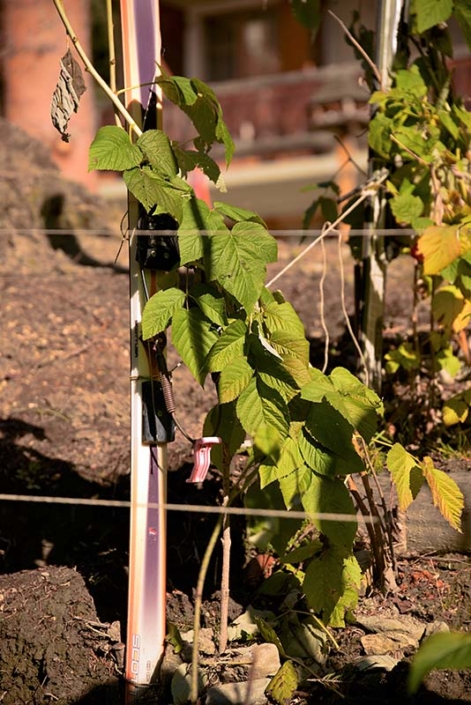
(251, 692)
(396, 628)
(381, 662)
(265, 661)
(436, 628)
(374, 644)
(206, 643)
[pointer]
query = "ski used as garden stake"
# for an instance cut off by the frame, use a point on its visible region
(151, 428)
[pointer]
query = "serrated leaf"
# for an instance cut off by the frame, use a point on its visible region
(281, 381)
(447, 305)
(197, 220)
(268, 473)
(462, 13)
(331, 586)
(284, 684)
(222, 421)
(269, 634)
(112, 150)
(451, 309)
(318, 386)
(410, 139)
(379, 135)
(173, 637)
(304, 639)
(289, 459)
(189, 159)
(359, 405)
(271, 370)
(446, 360)
(439, 245)
(448, 122)
(432, 12)
(237, 214)
(265, 416)
(283, 317)
(288, 346)
(229, 346)
(301, 554)
(157, 150)
(363, 405)
(224, 137)
(152, 190)
(349, 600)
(211, 302)
(295, 484)
(193, 338)
(410, 81)
(159, 310)
(201, 105)
(237, 260)
(322, 460)
(443, 650)
(327, 495)
(455, 410)
(406, 356)
(323, 583)
(446, 494)
(296, 367)
(331, 430)
(406, 474)
(406, 207)
(234, 378)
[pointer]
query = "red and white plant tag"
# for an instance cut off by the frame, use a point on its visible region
(202, 457)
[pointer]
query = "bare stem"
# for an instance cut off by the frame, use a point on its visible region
(93, 72)
(112, 53)
(226, 552)
(330, 229)
(358, 46)
(226, 556)
(198, 604)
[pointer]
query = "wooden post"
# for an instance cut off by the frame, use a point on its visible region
(373, 267)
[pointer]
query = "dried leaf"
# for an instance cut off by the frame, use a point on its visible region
(67, 94)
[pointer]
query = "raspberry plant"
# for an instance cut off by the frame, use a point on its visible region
(311, 433)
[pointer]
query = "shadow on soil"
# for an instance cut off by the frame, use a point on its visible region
(94, 539)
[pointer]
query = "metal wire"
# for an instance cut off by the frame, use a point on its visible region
(393, 232)
(194, 508)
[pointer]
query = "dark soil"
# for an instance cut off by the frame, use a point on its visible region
(64, 432)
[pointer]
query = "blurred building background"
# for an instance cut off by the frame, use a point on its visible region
(296, 107)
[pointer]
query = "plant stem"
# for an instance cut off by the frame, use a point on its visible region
(366, 193)
(112, 53)
(198, 604)
(226, 552)
(226, 562)
(94, 73)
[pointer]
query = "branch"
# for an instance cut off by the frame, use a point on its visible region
(112, 53)
(358, 46)
(370, 187)
(91, 69)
